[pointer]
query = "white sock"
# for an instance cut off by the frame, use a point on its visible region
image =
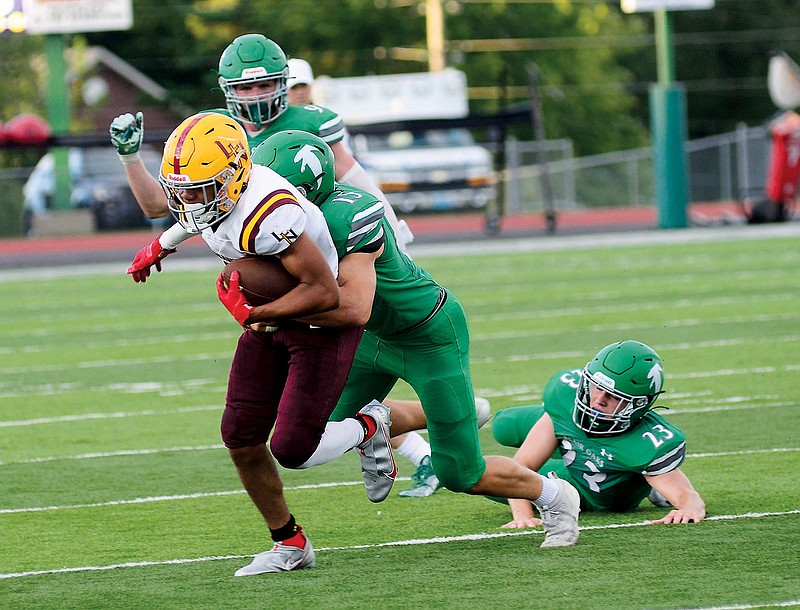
(339, 437)
(414, 447)
(549, 492)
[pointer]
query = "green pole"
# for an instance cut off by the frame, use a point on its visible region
(58, 115)
(665, 60)
(668, 127)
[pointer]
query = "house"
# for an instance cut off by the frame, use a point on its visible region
(111, 86)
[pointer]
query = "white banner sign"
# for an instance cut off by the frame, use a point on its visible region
(649, 6)
(73, 16)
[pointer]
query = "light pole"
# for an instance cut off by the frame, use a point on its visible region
(434, 20)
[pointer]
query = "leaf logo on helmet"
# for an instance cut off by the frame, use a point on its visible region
(303, 159)
(204, 169)
(630, 373)
(656, 377)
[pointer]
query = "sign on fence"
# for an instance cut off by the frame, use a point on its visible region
(72, 16)
(649, 6)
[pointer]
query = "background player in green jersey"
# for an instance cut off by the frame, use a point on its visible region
(415, 330)
(608, 442)
(253, 73)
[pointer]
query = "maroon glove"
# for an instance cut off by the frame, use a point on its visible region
(146, 258)
(233, 299)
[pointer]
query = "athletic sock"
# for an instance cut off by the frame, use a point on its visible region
(369, 424)
(339, 437)
(285, 532)
(414, 448)
(549, 493)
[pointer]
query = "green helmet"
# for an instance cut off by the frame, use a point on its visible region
(628, 371)
(303, 159)
(253, 59)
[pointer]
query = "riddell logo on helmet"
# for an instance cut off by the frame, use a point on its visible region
(178, 178)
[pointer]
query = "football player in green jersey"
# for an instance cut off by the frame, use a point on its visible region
(597, 429)
(415, 330)
(253, 73)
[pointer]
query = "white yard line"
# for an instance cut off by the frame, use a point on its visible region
(784, 604)
(115, 415)
(211, 494)
(410, 542)
(741, 405)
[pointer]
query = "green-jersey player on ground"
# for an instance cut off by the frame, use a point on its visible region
(596, 428)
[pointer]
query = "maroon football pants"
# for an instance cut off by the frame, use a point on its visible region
(289, 380)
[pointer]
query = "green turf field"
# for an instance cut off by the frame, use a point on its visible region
(116, 492)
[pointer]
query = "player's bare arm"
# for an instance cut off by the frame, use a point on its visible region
(316, 292)
(343, 160)
(676, 487)
(357, 290)
(147, 191)
(539, 445)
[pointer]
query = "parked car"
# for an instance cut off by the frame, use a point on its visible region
(433, 170)
(98, 183)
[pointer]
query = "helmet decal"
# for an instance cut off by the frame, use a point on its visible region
(306, 157)
(230, 149)
(656, 377)
(303, 158)
(251, 72)
(604, 379)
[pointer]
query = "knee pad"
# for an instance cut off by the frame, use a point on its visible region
(289, 455)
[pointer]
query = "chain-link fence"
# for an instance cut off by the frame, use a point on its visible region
(730, 166)
(724, 167)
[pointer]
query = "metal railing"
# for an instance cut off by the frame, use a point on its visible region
(730, 166)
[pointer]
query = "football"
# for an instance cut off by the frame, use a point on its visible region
(262, 278)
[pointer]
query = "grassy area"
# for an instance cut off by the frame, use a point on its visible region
(117, 493)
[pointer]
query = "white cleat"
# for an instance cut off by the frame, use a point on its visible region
(560, 517)
(483, 410)
(281, 558)
(377, 459)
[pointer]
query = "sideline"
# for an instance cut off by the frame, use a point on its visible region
(474, 247)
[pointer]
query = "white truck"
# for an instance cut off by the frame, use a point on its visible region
(431, 170)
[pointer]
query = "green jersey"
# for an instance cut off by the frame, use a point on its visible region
(321, 122)
(607, 470)
(417, 332)
(405, 294)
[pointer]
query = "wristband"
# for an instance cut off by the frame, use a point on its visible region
(129, 159)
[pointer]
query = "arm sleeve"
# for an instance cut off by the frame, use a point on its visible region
(174, 236)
